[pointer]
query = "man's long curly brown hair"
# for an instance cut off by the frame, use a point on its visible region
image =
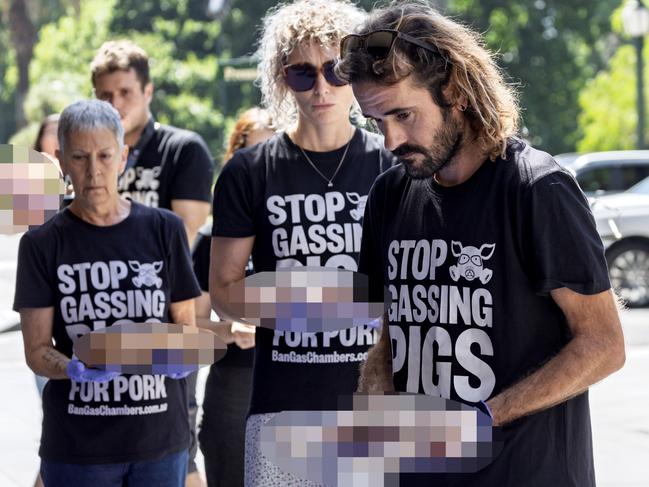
(459, 68)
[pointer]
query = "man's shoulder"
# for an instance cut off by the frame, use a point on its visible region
(176, 134)
(172, 140)
(393, 177)
(527, 165)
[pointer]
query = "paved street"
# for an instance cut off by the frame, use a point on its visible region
(620, 413)
(619, 405)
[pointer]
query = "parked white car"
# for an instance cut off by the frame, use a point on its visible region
(623, 224)
(600, 173)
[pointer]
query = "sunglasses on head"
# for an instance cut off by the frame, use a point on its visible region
(379, 43)
(302, 76)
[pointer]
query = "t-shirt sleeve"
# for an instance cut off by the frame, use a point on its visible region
(566, 248)
(201, 260)
(183, 284)
(34, 287)
(194, 173)
(233, 207)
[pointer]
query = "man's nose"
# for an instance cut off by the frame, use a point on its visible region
(118, 103)
(394, 137)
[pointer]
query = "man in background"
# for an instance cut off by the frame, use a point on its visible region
(167, 167)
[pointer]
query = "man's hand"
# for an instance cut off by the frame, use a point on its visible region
(78, 372)
(376, 371)
(373, 379)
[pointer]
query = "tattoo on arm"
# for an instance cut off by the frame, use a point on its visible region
(55, 361)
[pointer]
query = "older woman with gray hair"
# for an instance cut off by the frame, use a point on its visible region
(77, 273)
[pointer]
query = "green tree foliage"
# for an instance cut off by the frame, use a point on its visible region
(191, 90)
(551, 48)
(181, 42)
(189, 52)
(39, 13)
(8, 79)
(59, 71)
(609, 116)
(609, 113)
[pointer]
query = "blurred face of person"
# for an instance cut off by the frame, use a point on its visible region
(324, 104)
(424, 136)
(49, 140)
(123, 90)
(93, 161)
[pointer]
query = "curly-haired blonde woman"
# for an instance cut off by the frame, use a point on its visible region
(297, 199)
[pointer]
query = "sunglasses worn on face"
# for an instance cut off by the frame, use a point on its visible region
(302, 76)
(379, 43)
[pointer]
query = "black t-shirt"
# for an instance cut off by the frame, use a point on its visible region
(270, 191)
(173, 164)
(235, 357)
(470, 268)
(95, 277)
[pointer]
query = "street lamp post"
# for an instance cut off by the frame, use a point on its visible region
(635, 18)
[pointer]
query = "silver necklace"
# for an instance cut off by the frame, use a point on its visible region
(329, 180)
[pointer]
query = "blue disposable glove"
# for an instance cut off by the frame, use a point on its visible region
(175, 371)
(482, 406)
(375, 323)
(78, 372)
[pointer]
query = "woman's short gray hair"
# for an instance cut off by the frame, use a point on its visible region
(86, 115)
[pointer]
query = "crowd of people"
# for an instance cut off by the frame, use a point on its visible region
(500, 292)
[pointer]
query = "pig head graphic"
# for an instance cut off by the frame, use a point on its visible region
(470, 262)
(147, 273)
(359, 201)
(147, 178)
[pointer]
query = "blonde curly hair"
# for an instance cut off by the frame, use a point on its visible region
(287, 26)
(459, 68)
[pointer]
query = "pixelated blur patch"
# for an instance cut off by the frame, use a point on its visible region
(149, 348)
(307, 299)
(31, 189)
(372, 437)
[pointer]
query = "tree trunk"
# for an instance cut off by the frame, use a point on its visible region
(23, 38)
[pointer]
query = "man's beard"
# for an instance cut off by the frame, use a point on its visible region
(446, 143)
